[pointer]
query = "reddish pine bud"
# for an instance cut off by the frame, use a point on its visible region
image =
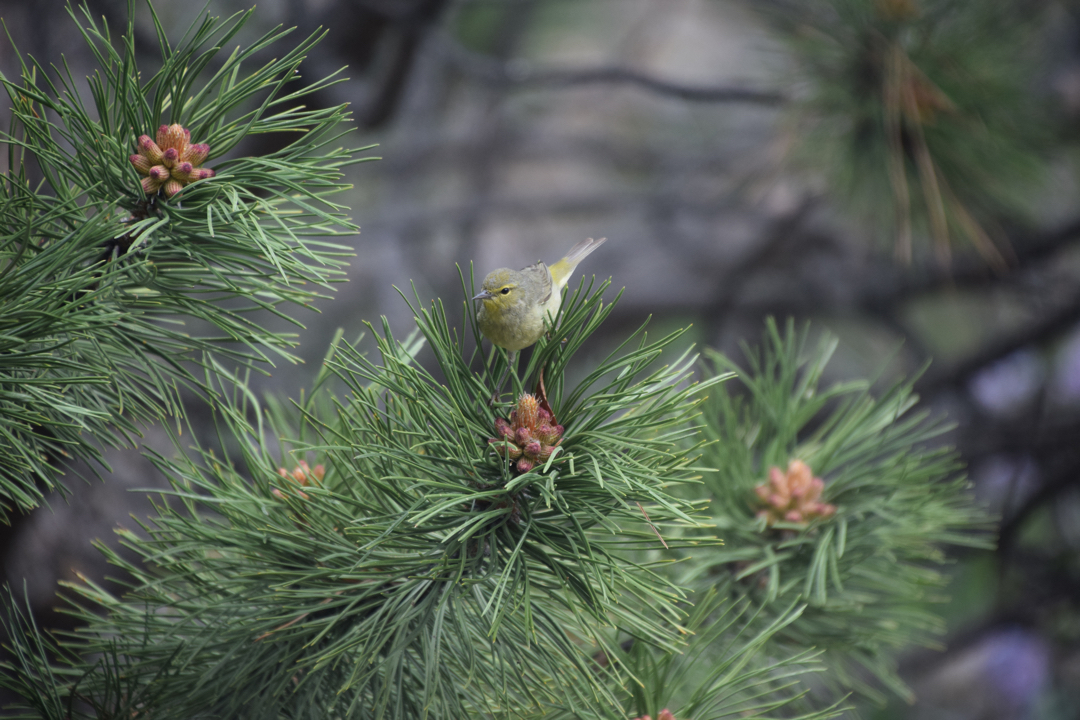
(169, 157)
(172, 136)
(793, 496)
(528, 436)
(141, 163)
(184, 172)
(174, 152)
(528, 411)
(196, 154)
(502, 427)
(150, 149)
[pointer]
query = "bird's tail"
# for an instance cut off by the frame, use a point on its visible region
(560, 271)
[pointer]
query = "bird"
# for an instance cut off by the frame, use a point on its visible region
(515, 303)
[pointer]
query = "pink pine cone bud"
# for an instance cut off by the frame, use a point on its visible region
(529, 437)
(172, 136)
(665, 714)
(170, 157)
(548, 434)
(505, 448)
(528, 411)
(777, 479)
(502, 427)
(149, 149)
(196, 154)
(174, 153)
(141, 163)
(793, 496)
(153, 182)
(183, 171)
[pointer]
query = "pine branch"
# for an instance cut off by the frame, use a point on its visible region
(113, 291)
(406, 566)
(862, 554)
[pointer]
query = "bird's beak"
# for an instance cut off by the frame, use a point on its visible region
(483, 295)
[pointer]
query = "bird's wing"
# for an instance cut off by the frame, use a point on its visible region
(543, 276)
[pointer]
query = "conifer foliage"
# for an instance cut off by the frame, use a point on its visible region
(112, 278)
(609, 539)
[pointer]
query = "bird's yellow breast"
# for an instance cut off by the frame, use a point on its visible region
(514, 320)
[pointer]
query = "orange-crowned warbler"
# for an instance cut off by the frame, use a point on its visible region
(514, 303)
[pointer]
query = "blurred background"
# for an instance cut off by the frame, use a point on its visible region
(901, 173)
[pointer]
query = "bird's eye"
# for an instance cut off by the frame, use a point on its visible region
(505, 291)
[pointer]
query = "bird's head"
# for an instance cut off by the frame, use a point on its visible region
(500, 289)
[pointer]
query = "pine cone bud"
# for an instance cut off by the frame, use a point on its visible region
(528, 409)
(503, 428)
(149, 149)
(302, 475)
(794, 496)
(528, 437)
(141, 163)
(196, 154)
(155, 179)
(170, 157)
(184, 172)
(175, 155)
(172, 136)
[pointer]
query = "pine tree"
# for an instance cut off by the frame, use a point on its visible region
(406, 539)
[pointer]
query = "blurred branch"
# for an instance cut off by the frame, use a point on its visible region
(1026, 250)
(1037, 333)
(521, 73)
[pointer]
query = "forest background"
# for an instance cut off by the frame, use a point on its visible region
(714, 142)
